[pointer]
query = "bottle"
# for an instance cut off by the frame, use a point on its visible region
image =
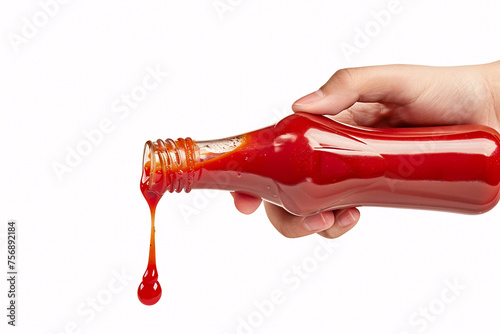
(309, 163)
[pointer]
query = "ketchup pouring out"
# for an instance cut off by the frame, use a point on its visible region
(149, 291)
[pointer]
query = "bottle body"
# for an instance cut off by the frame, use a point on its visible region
(308, 164)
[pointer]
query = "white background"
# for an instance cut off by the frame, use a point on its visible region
(228, 74)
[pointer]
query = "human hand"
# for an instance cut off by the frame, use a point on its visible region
(389, 96)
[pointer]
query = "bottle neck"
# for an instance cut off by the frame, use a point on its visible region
(174, 165)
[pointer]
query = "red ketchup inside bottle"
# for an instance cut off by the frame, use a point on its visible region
(308, 164)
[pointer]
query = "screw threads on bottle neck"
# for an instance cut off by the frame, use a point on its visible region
(170, 165)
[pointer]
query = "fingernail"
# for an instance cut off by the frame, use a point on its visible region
(310, 98)
(347, 217)
(315, 223)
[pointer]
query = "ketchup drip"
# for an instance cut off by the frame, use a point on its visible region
(149, 291)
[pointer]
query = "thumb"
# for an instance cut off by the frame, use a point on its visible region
(385, 83)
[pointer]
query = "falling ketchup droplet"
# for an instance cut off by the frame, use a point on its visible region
(149, 291)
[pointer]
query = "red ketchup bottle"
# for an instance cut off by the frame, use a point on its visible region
(308, 164)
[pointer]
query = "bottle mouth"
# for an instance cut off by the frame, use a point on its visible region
(169, 165)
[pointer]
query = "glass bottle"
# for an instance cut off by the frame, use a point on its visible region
(308, 164)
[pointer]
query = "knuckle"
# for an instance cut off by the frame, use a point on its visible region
(343, 78)
(344, 75)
